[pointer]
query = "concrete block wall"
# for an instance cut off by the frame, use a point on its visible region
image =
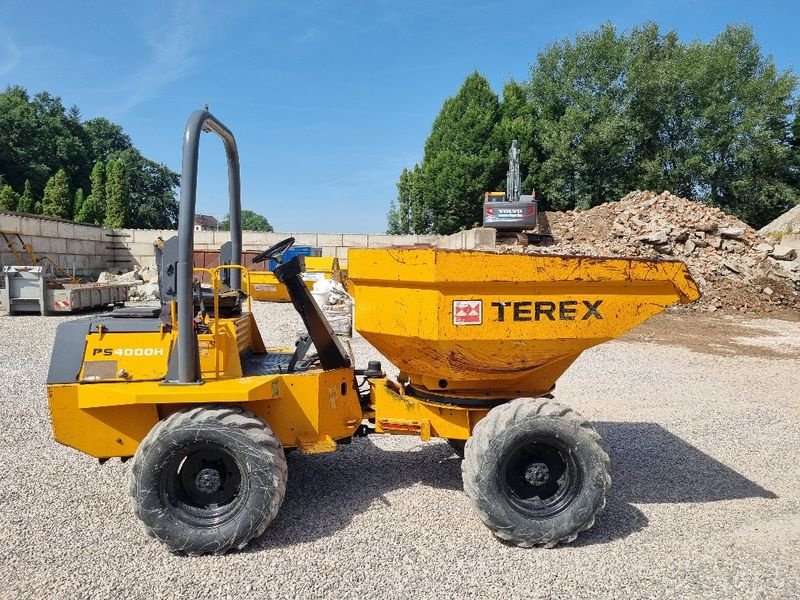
(90, 249)
(86, 249)
(140, 241)
(470, 239)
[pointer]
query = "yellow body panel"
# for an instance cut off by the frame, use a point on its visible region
(307, 410)
(497, 325)
(264, 286)
(140, 356)
(114, 430)
(401, 414)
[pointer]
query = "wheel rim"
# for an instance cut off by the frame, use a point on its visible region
(540, 476)
(202, 485)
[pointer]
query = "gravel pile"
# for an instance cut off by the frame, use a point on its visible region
(736, 267)
(788, 222)
(705, 501)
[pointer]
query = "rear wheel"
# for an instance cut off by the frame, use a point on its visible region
(536, 472)
(208, 479)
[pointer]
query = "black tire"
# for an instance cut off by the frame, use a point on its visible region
(457, 446)
(536, 472)
(208, 479)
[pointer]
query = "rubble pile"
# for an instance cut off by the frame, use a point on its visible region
(143, 282)
(735, 267)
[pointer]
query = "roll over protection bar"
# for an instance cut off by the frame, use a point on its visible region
(188, 356)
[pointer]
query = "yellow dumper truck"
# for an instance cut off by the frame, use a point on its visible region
(189, 390)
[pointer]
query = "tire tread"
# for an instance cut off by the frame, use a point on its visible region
(490, 429)
(229, 415)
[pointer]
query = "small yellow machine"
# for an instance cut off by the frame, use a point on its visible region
(190, 392)
(264, 285)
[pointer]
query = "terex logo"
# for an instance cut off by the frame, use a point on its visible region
(566, 310)
(467, 312)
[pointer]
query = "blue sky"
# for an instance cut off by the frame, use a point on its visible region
(329, 100)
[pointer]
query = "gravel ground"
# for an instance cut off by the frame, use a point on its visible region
(705, 501)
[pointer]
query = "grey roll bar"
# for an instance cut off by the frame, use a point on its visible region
(188, 359)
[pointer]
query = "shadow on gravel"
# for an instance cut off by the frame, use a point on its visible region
(649, 465)
(326, 491)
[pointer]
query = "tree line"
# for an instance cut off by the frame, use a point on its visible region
(607, 113)
(54, 163)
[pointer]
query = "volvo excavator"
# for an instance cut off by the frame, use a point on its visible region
(513, 214)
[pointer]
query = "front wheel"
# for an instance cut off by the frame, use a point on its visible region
(535, 472)
(208, 479)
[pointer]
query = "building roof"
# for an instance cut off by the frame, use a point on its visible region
(206, 221)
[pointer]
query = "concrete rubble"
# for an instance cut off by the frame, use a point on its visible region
(736, 267)
(143, 282)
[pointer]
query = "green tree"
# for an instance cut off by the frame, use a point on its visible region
(94, 206)
(39, 136)
(710, 122)
(607, 112)
(746, 107)
(393, 220)
(26, 201)
(578, 89)
(409, 214)
(9, 199)
(399, 217)
(117, 197)
(462, 158)
(251, 221)
(77, 205)
(21, 151)
(106, 138)
(151, 188)
(60, 142)
(57, 200)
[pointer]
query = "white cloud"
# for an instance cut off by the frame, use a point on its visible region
(171, 46)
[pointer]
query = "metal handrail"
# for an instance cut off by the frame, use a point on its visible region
(216, 286)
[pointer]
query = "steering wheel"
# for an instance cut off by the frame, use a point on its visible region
(275, 251)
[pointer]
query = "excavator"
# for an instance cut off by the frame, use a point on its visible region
(513, 214)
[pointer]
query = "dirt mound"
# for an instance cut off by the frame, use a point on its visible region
(736, 267)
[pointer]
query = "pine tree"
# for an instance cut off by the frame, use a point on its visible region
(78, 204)
(393, 218)
(117, 195)
(26, 202)
(57, 201)
(96, 211)
(462, 160)
(9, 199)
(88, 211)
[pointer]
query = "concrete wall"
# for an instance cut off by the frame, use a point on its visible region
(470, 239)
(86, 248)
(90, 249)
(140, 241)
